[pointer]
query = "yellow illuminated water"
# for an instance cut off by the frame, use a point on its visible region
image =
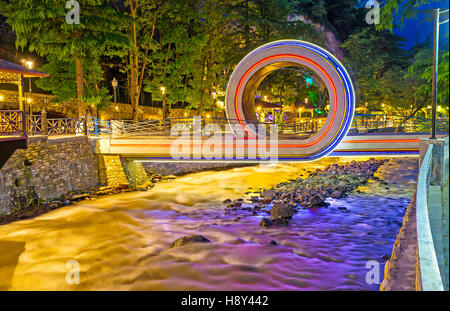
(121, 242)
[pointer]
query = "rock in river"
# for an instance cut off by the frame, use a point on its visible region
(189, 239)
(316, 201)
(280, 210)
(266, 222)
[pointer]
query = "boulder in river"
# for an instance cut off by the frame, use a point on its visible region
(337, 194)
(268, 195)
(266, 222)
(280, 210)
(316, 201)
(189, 239)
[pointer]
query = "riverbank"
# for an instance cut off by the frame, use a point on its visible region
(156, 172)
(122, 241)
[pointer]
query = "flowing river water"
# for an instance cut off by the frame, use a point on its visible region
(121, 242)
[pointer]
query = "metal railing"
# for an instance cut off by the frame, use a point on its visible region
(387, 123)
(12, 123)
(432, 219)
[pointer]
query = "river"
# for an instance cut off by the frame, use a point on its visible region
(121, 242)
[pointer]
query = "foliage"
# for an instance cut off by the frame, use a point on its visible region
(394, 12)
(41, 27)
(422, 68)
(369, 56)
(61, 83)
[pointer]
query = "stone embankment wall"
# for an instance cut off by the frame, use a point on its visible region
(117, 172)
(58, 168)
(48, 169)
(401, 271)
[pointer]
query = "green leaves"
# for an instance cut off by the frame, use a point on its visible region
(393, 13)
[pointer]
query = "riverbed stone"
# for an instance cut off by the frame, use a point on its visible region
(189, 239)
(266, 222)
(280, 210)
(268, 196)
(316, 201)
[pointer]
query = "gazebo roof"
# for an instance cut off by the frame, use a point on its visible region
(9, 67)
(264, 104)
(306, 106)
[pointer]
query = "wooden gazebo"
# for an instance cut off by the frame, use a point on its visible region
(303, 107)
(14, 74)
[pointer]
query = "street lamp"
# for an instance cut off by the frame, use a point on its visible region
(114, 84)
(434, 77)
(165, 110)
(29, 66)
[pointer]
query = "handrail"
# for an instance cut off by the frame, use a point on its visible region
(428, 264)
(12, 122)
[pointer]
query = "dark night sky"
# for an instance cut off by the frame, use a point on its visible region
(416, 31)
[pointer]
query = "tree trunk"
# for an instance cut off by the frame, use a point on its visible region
(134, 84)
(79, 74)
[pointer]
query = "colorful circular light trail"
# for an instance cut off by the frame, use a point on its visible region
(285, 53)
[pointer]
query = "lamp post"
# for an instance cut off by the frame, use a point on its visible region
(434, 78)
(114, 84)
(300, 118)
(165, 110)
(29, 66)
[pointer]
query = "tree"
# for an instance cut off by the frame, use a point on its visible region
(41, 27)
(140, 29)
(370, 54)
(177, 49)
(394, 12)
(421, 68)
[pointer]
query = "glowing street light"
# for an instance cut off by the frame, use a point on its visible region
(29, 66)
(434, 77)
(2, 98)
(265, 98)
(165, 110)
(114, 84)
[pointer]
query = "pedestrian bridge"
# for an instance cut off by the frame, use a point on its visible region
(177, 148)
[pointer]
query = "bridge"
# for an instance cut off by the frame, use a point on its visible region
(151, 140)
